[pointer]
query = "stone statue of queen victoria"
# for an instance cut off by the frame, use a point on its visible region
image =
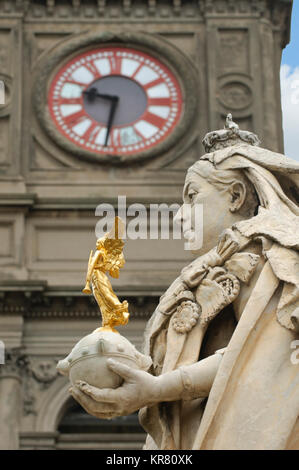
(224, 374)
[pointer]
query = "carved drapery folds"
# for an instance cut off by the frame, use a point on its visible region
(208, 285)
(218, 289)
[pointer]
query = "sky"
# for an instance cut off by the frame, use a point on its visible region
(290, 88)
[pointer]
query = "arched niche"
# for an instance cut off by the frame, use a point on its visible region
(73, 428)
(53, 407)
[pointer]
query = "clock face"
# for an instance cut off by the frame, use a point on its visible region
(116, 101)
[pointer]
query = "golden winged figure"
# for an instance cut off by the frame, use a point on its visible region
(108, 258)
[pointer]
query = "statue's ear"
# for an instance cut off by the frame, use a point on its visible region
(238, 195)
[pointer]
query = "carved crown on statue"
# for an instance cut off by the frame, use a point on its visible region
(229, 136)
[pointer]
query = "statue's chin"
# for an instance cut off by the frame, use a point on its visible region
(190, 239)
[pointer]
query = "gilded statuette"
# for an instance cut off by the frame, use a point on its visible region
(88, 359)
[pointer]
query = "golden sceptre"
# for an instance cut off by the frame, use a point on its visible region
(108, 257)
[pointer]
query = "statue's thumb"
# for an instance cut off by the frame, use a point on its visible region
(121, 369)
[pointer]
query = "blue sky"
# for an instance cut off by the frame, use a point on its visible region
(290, 88)
(291, 52)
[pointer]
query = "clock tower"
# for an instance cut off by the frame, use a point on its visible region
(108, 98)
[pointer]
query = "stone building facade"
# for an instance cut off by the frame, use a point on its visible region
(225, 55)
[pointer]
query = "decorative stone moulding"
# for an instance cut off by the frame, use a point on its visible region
(235, 94)
(180, 10)
(42, 304)
(156, 47)
(5, 108)
(16, 363)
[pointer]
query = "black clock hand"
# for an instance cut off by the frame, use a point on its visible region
(92, 94)
(114, 102)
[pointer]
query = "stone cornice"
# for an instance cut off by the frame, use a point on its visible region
(22, 286)
(17, 200)
(31, 201)
(91, 203)
(38, 302)
(178, 10)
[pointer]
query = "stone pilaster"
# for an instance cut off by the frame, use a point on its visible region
(10, 398)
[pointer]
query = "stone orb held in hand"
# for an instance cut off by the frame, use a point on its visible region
(88, 359)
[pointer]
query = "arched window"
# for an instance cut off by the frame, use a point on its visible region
(79, 430)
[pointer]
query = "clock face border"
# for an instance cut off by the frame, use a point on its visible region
(153, 125)
(157, 48)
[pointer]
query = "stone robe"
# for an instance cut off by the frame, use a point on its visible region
(254, 400)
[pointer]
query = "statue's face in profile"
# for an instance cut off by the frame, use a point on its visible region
(219, 211)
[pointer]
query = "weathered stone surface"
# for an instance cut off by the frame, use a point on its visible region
(232, 398)
(48, 196)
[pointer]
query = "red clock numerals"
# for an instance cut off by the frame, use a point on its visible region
(75, 117)
(154, 119)
(115, 65)
(159, 102)
(91, 132)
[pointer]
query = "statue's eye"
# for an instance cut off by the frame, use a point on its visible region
(191, 195)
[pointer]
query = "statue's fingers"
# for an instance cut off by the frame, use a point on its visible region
(85, 401)
(123, 370)
(105, 395)
(89, 404)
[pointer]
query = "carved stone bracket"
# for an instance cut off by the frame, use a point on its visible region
(44, 371)
(30, 372)
(16, 363)
(40, 373)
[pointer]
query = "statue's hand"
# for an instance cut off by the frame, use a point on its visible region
(138, 390)
(114, 272)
